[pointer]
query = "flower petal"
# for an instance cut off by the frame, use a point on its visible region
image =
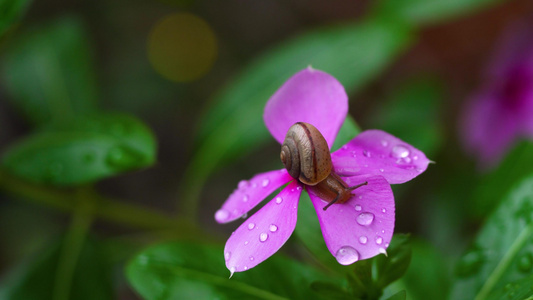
(376, 152)
(249, 193)
(487, 129)
(310, 96)
(265, 232)
(362, 227)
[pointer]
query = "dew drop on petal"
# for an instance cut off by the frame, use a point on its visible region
(347, 255)
(251, 258)
(279, 200)
(407, 159)
(358, 207)
(227, 255)
(265, 182)
(245, 268)
(366, 153)
(381, 170)
(365, 218)
(384, 143)
(263, 237)
(251, 226)
(246, 243)
(244, 216)
(254, 185)
(298, 188)
(245, 198)
(383, 210)
(242, 184)
(221, 215)
(399, 151)
(273, 228)
(360, 197)
(379, 240)
(415, 157)
(363, 239)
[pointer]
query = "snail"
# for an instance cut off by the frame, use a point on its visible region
(305, 154)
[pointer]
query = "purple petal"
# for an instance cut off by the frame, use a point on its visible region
(487, 129)
(362, 227)
(310, 96)
(376, 152)
(265, 232)
(249, 193)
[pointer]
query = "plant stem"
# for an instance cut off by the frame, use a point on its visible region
(73, 245)
(104, 207)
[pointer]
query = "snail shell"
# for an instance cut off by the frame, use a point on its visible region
(305, 154)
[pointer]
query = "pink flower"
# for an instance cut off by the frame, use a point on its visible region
(358, 229)
(502, 111)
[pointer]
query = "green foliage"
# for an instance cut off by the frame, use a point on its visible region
(10, 12)
(493, 186)
(401, 295)
(521, 289)
(502, 252)
(83, 150)
(49, 72)
(368, 278)
(424, 12)
(36, 280)
(412, 114)
(353, 53)
(191, 271)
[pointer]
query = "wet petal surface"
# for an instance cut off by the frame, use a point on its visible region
(376, 152)
(363, 226)
(265, 232)
(249, 193)
(310, 96)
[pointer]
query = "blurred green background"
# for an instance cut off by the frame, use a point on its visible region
(127, 123)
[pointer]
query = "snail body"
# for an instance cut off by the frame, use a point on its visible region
(305, 154)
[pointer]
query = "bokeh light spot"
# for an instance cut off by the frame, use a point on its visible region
(182, 47)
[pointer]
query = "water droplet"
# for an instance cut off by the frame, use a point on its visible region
(273, 228)
(265, 182)
(244, 216)
(263, 237)
(399, 151)
(245, 198)
(344, 147)
(360, 197)
(383, 210)
(243, 184)
(221, 215)
(470, 263)
(407, 160)
(384, 143)
(246, 243)
(251, 258)
(347, 255)
(122, 157)
(381, 170)
(227, 255)
(525, 263)
(251, 226)
(366, 153)
(379, 240)
(279, 200)
(363, 239)
(365, 218)
(358, 207)
(298, 188)
(254, 185)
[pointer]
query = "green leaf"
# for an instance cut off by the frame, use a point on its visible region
(401, 295)
(84, 150)
(495, 185)
(49, 72)
(412, 114)
(181, 270)
(10, 12)
(424, 12)
(521, 289)
(503, 251)
(393, 266)
(354, 54)
(329, 290)
(36, 280)
(427, 276)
